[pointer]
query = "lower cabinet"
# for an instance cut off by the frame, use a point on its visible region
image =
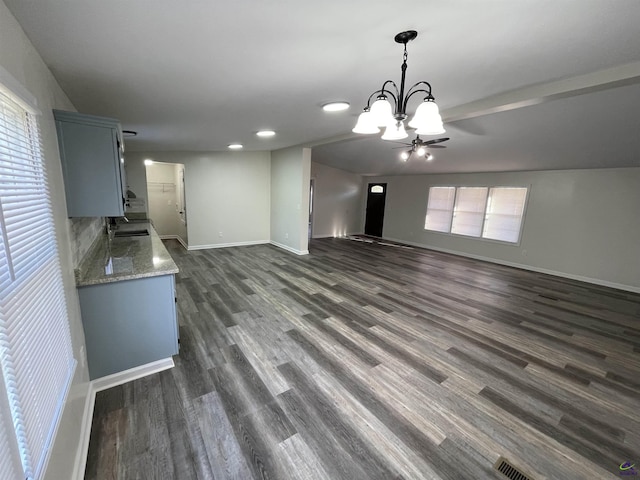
(128, 323)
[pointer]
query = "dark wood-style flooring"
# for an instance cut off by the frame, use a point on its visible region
(366, 361)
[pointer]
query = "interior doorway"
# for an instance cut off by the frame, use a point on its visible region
(374, 218)
(166, 195)
(311, 188)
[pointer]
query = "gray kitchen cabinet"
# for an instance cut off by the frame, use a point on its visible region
(91, 151)
(128, 323)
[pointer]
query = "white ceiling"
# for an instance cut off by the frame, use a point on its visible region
(198, 75)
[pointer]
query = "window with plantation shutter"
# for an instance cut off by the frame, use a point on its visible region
(36, 357)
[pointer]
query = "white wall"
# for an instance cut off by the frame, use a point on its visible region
(23, 63)
(337, 203)
(582, 224)
(290, 177)
(227, 194)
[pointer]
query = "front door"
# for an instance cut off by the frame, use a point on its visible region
(374, 218)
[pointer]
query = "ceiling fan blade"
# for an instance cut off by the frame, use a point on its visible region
(435, 140)
(437, 146)
(406, 145)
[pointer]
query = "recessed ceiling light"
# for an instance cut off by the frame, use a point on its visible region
(148, 162)
(266, 133)
(335, 106)
(235, 146)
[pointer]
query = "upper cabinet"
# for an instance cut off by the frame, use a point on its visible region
(92, 154)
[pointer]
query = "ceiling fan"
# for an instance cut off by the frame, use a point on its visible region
(420, 147)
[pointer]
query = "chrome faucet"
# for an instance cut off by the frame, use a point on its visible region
(112, 225)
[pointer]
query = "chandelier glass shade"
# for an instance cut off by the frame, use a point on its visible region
(390, 106)
(395, 131)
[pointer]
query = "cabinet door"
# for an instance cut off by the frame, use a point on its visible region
(128, 323)
(91, 163)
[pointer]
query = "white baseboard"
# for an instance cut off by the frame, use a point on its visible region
(555, 273)
(103, 383)
(183, 243)
(134, 373)
(289, 249)
(85, 434)
(225, 245)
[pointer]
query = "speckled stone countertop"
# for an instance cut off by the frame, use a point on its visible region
(125, 258)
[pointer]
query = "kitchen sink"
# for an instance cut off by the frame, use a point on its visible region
(131, 233)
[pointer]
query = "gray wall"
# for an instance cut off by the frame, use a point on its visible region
(23, 63)
(290, 177)
(581, 224)
(227, 194)
(337, 204)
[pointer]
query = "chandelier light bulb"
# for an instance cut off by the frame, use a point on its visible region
(429, 157)
(366, 123)
(395, 131)
(427, 119)
(404, 156)
(381, 111)
(421, 151)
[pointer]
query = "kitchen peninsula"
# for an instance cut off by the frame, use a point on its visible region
(126, 289)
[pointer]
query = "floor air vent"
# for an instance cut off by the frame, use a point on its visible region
(509, 471)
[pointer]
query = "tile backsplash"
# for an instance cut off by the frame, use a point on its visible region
(84, 231)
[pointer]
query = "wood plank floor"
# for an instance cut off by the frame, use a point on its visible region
(366, 361)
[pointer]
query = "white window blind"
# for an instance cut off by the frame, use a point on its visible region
(440, 208)
(505, 208)
(494, 213)
(468, 213)
(35, 343)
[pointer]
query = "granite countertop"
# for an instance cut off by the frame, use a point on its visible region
(125, 258)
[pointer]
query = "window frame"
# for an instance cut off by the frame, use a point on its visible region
(527, 187)
(30, 442)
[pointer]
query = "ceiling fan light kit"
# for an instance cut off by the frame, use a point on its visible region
(419, 147)
(426, 120)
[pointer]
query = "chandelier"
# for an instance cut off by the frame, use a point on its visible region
(382, 113)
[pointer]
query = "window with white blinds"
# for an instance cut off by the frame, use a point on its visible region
(494, 213)
(10, 465)
(505, 208)
(36, 357)
(468, 213)
(440, 208)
